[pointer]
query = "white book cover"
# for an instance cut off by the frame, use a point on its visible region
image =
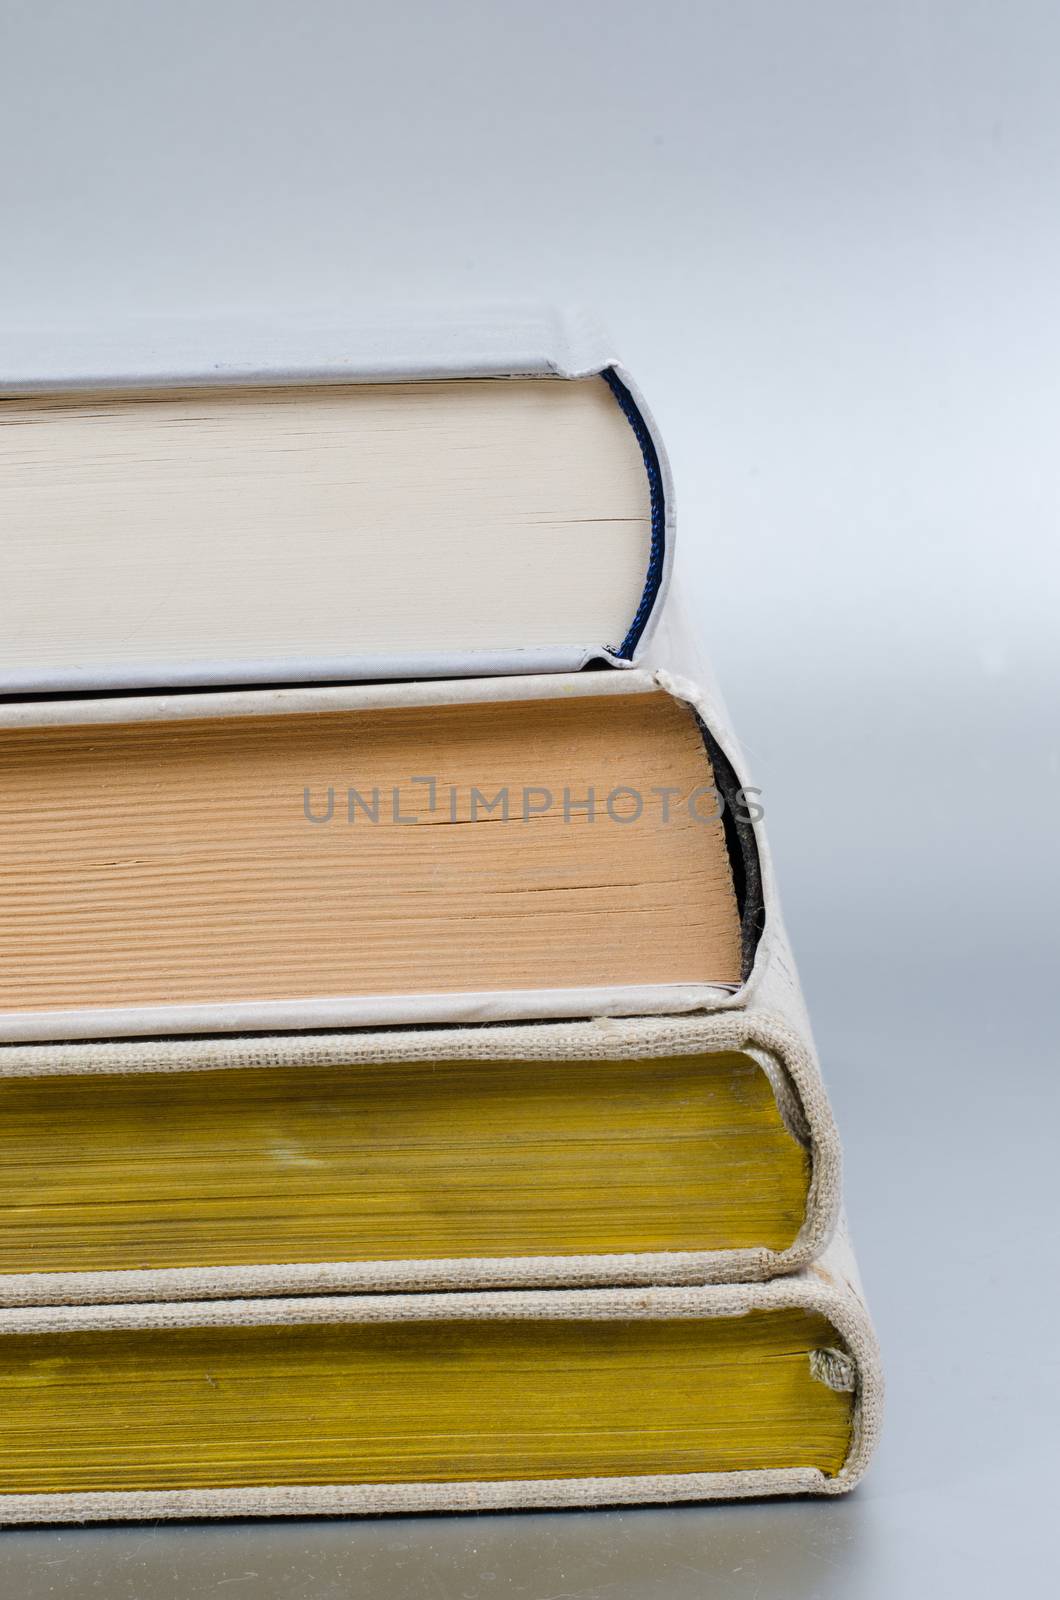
(214, 503)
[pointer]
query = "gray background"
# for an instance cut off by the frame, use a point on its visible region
(827, 237)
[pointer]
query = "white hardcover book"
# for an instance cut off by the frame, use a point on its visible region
(190, 504)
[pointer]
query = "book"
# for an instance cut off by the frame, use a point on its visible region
(382, 1403)
(653, 1150)
(487, 494)
(561, 845)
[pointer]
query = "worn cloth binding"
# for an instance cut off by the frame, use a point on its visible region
(829, 1286)
(778, 1049)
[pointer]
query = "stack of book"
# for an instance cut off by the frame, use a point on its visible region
(406, 1099)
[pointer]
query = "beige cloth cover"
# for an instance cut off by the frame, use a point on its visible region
(829, 1286)
(779, 1050)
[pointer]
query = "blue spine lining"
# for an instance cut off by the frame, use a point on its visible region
(658, 512)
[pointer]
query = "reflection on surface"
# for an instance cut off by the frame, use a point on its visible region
(793, 1549)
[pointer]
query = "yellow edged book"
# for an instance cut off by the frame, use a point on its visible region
(615, 1151)
(437, 1401)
